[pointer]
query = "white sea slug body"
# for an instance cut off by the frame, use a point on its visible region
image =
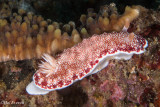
(86, 58)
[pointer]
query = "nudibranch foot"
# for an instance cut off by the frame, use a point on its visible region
(32, 89)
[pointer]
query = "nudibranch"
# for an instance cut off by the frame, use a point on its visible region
(86, 58)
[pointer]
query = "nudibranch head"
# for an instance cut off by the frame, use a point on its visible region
(86, 58)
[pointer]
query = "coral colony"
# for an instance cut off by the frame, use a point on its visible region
(86, 58)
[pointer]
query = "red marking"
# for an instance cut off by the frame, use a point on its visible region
(91, 63)
(49, 87)
(81, 74)
(60, 83)
(54, 86)
(44, 83)
(75, 77)
(87, 70)
(96, 61)
(67, 82)
(36, 83)
(36, 78)
(100, 56)
(103, 53)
